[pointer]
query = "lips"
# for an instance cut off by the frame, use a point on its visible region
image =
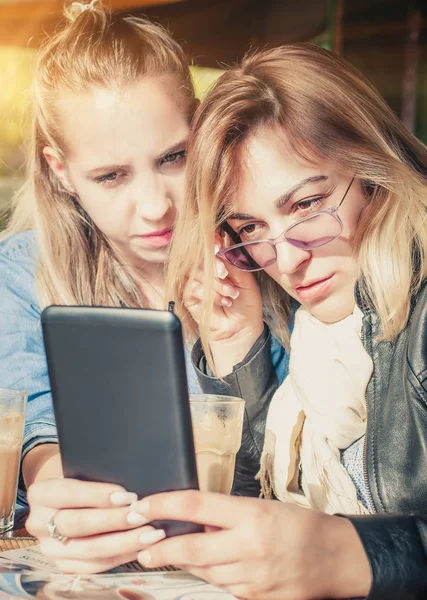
(313, 289)
(163, 232)
(158, 239)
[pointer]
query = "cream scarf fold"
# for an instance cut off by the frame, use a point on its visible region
(319, 409)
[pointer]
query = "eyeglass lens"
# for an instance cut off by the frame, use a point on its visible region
(313, 232)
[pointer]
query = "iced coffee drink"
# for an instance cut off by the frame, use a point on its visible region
(217, 429)
(12, 419)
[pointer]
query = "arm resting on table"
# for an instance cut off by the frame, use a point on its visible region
(42, 462)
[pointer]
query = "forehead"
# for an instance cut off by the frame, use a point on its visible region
(116, 125)
(270, 167)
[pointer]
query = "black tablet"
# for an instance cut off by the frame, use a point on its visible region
(120, 398)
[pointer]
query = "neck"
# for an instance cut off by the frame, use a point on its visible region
(149, 277)
(151, 281)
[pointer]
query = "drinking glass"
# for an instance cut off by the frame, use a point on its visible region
(12, 420)
(217, 430)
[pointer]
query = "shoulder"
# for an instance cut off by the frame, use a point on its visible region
(18, 261)
(19, 252)
(18, 246)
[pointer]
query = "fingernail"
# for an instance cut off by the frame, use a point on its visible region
(141, 507)
(227, 302)
(221, 271)
(151, 537)
(123, 498)
(135, 519)
(145, 558)
(231, 291)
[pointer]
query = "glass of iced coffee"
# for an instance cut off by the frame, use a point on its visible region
(12, 419)
(217, 430)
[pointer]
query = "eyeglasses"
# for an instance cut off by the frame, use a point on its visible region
(310, 232)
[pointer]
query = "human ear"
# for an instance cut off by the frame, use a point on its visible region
(368, 188)
(57, 166)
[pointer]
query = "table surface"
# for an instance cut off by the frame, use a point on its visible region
(19, 537)
(13, 543)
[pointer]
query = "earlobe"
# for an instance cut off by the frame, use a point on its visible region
(57, 166)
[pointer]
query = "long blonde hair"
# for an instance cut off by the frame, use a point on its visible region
(92, 48)
(329, 112)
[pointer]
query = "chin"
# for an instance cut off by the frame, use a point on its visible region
(155, 256)
(332, 309)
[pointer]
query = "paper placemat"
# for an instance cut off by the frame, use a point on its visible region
(26, 552)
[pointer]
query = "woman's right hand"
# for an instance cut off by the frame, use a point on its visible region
(236, 321)
(101, 531)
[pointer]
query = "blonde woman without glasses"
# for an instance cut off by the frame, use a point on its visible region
(113, 100)
(315, 195)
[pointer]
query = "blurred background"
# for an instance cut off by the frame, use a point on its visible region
(385, 39)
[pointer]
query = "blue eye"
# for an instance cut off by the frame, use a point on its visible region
(175, 158)
(112, 179)
(107, 178)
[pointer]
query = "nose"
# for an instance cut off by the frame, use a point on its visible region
(152, 202)
(290, 258)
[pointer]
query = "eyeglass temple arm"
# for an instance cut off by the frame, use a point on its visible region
(346, 192)
(233, 235)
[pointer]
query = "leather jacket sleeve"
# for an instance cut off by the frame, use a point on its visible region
(396, 549)
(254, 380)
(395, 539)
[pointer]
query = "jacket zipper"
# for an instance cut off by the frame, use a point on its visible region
(365, 441)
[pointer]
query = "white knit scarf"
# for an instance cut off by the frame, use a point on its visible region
(319, 409)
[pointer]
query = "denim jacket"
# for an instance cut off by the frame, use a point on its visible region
(22, 354)
(22, 357)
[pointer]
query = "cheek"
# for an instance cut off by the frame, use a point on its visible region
(274, 273)
(338, 249)
(281, 279)
(351, 215)
(176, 189)
(109, 212)
(350, 228)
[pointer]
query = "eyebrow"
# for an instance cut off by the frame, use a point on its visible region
(107, 169)
(116, 167)
(175, 148)
(284, 199)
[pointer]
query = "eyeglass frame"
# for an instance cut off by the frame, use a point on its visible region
(282, 237)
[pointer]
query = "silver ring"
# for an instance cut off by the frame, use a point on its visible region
(53, 529)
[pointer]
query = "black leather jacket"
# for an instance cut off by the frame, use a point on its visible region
(395, 538)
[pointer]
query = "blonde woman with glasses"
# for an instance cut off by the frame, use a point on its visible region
(113, 99)
(310, 194)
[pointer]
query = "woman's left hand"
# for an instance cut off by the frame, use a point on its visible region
(260, 549)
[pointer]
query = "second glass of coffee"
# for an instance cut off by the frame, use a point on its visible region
(12, 419)
(217, 430)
